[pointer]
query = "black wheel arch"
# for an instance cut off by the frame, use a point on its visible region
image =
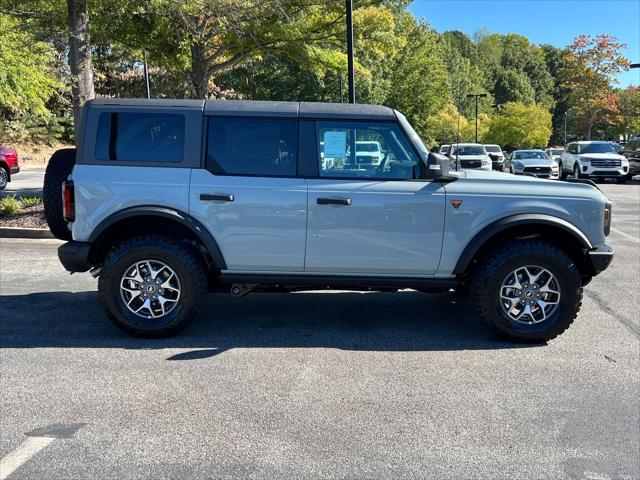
(554, 229)
(112, 226)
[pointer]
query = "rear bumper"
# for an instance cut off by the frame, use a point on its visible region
(601, 258)
(74, 256)
(14, 169)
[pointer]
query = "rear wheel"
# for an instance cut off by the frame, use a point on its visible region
(58, 170)
(528, 291)
(152, 286)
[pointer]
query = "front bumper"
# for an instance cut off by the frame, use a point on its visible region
(603, 172)
(601, 258)
(74, 256)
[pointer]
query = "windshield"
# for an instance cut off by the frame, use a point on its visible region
(597, 148)
(493, 148)
(415, 138)
(531, 154)
(469, 150)
(367, 147)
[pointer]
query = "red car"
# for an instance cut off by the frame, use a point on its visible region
(8, 165)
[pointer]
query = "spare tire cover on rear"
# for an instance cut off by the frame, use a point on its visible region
(58, 170)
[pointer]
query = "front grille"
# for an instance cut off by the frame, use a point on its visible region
(470, 163)
(605, 163)
(538, 170)
(365, 159)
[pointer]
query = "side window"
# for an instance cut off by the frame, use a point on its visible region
(364, 150)
(140, 137)
(252, 146)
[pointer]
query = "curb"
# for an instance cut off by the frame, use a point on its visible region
(18, 232)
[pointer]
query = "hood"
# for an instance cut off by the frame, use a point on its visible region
(526, 185)
(535, 162)
(471, 157)
(603, 156)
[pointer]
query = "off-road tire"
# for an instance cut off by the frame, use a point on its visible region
(186, 262)
(496, 265)
(58, 169)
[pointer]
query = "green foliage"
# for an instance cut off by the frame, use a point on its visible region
(520, 126)
(31, 201)
(9, 206)
(26, 72)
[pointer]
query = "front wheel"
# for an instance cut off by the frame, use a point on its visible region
(576, 171)
(4, 178)
(529, 291)
(152, 286)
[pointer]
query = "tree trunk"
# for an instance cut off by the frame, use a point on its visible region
(199, 72)
(79, 59)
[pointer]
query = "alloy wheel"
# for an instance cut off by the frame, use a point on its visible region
(529, 294)
(150, 289)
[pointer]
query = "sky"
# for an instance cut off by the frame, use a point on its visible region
(555, 22)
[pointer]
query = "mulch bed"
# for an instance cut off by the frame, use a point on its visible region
(30, 217)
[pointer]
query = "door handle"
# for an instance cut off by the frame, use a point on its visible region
(215, 196)
(333, 201)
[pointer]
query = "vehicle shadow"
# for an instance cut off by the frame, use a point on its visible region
(404, 321)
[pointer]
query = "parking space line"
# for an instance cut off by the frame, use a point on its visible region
(626, 235)
(27, 449)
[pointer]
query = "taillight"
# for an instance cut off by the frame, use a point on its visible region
(607, 218)
(68, 201)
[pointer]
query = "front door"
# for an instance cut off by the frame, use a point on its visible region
(371, 218)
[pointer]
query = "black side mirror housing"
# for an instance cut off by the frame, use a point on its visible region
(438, 165)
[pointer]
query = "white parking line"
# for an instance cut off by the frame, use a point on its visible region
(626, 235)
(27, 449)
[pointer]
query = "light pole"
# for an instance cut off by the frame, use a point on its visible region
(351, 80)
(476, 95)
(146, 76)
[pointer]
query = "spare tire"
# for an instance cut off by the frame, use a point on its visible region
(58, 170)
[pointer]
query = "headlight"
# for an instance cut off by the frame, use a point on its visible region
(486, 162)
(584, 160)
(517, 165)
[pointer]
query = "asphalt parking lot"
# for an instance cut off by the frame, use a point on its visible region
(318, 385)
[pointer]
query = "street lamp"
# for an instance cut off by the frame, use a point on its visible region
(476, 95)
(351, 80)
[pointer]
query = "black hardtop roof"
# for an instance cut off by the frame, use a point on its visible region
(257, 108)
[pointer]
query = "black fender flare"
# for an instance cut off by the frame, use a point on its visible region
(185, 219)
(498, 226)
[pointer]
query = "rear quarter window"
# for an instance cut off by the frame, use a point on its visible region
(140, 137)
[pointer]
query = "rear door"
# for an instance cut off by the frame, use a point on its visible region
(248, 195)
(371, 219)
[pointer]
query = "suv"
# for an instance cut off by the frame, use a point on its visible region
(632, 154)
(469, 156)
(593, 159)
(8, 165)
(165, 200)
(496, 155)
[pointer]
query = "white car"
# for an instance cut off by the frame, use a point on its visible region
(368, 152)
(469, 156)
(593, 159)
(532, 162)
(554, 153)
(444, 149)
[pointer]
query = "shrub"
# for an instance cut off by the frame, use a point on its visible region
(31, 201)
(9, 206)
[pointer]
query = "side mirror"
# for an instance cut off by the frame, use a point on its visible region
(438, 165)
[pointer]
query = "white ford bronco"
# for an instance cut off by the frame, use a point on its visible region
(164, 200)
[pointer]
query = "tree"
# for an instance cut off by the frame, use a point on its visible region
(445, 126)
(513, 86)
(80, 62)
(27, 77)
(629, 108)
(520, 126)
(587, 74)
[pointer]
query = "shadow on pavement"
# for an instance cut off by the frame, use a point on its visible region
(404, 321)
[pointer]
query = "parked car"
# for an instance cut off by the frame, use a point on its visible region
(368, 153)
(496, 155)
(593, 159)
(555, 153)
(8, 165)
(533, 162)
(444, 148)
(162, 215)
(469, 156)
(632, 154)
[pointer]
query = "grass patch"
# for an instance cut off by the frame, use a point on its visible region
(31, 201)
(9, 206)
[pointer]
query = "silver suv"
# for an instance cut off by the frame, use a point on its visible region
(165, 200)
